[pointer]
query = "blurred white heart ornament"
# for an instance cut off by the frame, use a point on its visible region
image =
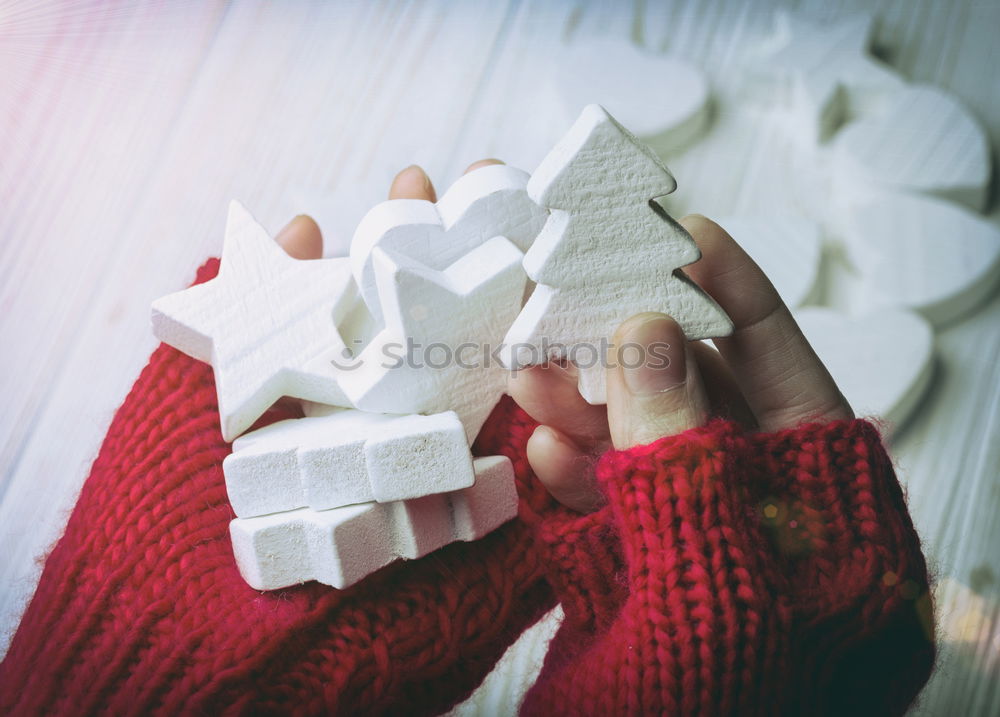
(883, 362)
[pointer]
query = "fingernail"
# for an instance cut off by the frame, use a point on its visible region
(288, 227)
(651, 356)
(479, 164)
(423, 175)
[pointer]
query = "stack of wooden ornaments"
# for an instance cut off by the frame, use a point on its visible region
(393, 349)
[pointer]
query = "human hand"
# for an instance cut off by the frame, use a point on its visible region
(301, 237)
(765, 375)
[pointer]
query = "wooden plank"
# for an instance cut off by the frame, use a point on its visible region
(94, 97)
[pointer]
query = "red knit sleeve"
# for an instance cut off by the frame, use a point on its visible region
(836, 518)
(739, 574)
(140, 608)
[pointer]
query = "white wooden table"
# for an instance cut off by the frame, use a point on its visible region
(126, 128)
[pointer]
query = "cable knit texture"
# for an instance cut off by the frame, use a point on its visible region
(728, 573)
(761, 574)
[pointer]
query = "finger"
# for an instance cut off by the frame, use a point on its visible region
(549, 394)
(301, 238)
(412, 183)
(566, 471)
(481, 163)
(779, 374)
(724, 396)
(654, 388)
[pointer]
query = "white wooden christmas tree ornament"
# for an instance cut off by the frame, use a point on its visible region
(827, 71)
(788, 247)
(923, 253)
(440, 326)
(607, 252)
(346, 457)
(488, 202)
(267, 323)
(925, 141)
(662, 100)
(883, 362)
(339, 547)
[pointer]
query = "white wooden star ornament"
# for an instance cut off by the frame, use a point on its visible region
(433, 353)
(829, 71)
(489, 202)
(267, 324)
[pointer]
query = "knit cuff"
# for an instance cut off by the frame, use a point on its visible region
(690, 623)
(753, 574)
(833, 509)
(582, 554)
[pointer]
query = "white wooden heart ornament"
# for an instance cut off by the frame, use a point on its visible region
(883, 362)
(486, 203)
(923, 253)
(662, 100)
(926, 141)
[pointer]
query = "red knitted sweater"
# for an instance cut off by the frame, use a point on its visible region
(728, 573)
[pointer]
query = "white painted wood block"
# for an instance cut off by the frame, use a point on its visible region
(663, 100)
(489, 503)
(346, 457)
(267, 323)
(925, 141)
(440, 326)
(341, 546)
(883, 362)
(788, 247)
(483, 204)
(606, 252)
(413, 456)
(420, 526)
(827, 72)
(923, 253)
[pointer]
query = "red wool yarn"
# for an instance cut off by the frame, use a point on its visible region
(728, 573)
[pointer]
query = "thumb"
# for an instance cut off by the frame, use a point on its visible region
(654, 387)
